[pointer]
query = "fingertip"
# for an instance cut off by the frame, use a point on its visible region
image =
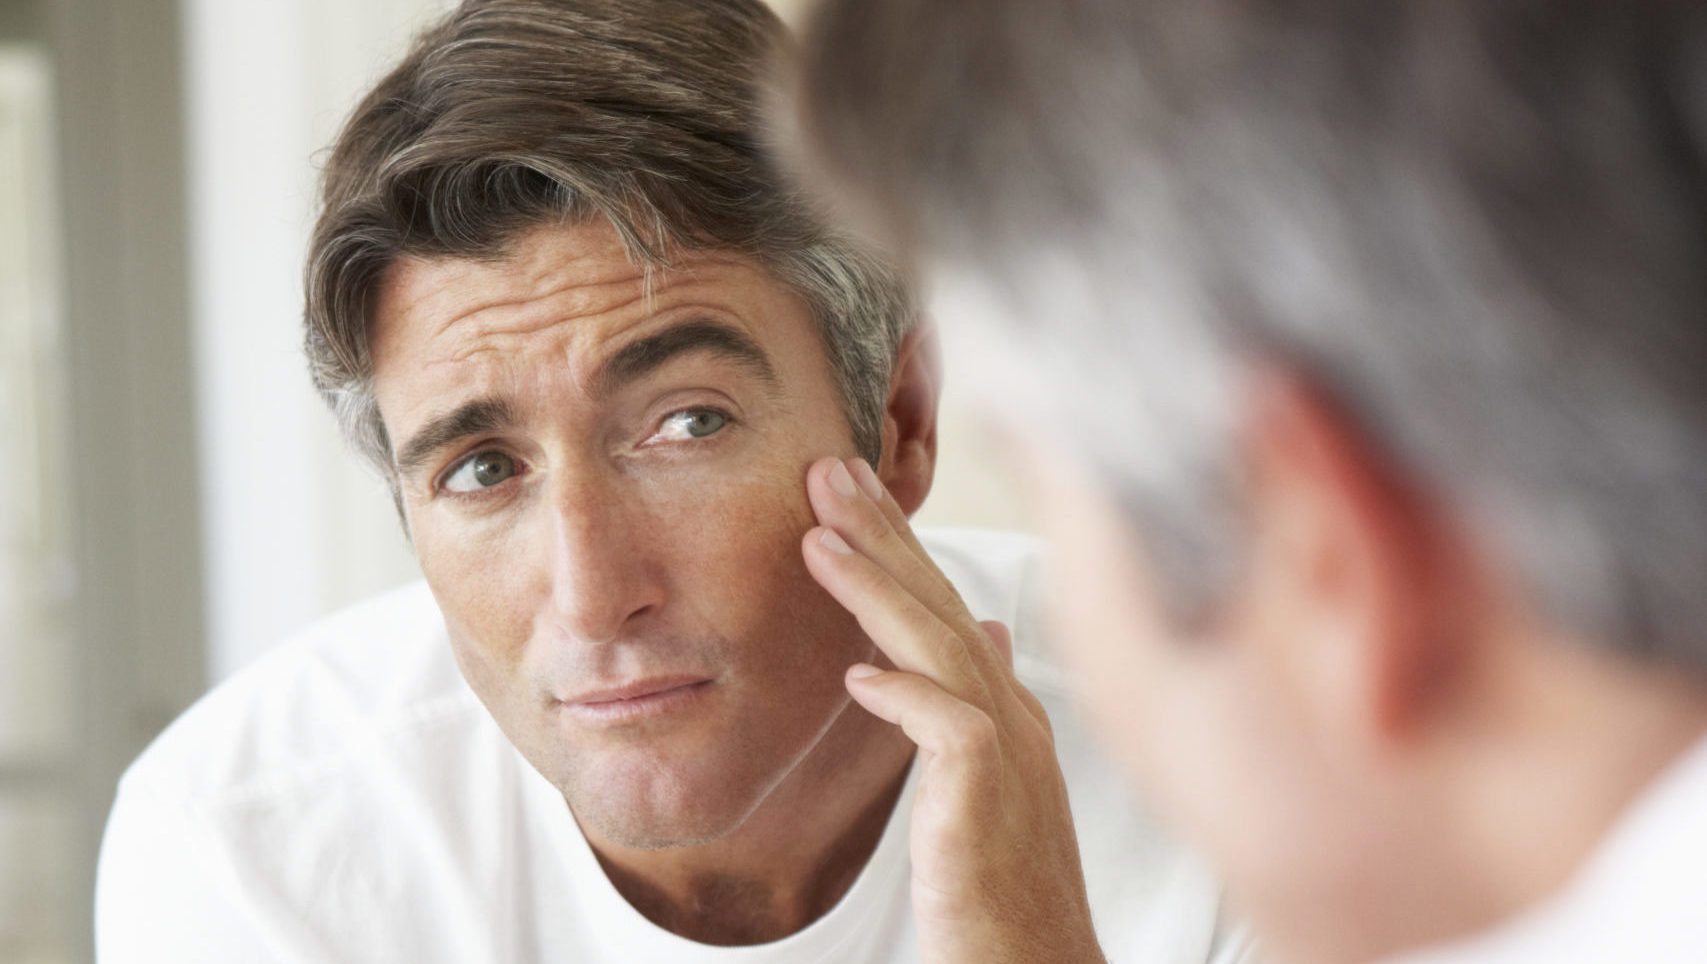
(859, 681)
(867, 480)
(825, 538)
(833, 541)
(822, 467)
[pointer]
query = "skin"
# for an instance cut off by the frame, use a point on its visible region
(615, 545)
(1377, 740)
(995, 863)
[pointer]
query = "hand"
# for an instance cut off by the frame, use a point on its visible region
(996, 873)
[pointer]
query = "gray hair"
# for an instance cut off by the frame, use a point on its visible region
(509, 114)
(1481, 226)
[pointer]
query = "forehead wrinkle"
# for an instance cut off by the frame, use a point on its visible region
(541, 317)
(587, 368)
(670, 294)
(547, 317)
(559, 293)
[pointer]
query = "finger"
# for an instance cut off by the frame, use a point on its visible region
(963, 738)
(913, 637)
(843, 505)
(874, 489)
(999, 635)
(1004, 642)
(850, 493)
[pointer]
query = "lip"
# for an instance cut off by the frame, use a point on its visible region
(642, 699)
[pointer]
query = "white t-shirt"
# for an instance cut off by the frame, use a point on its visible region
(1640, 897)
(347, 798)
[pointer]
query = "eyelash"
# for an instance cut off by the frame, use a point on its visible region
(481, 494)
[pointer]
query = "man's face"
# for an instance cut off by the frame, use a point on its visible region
(604, 485)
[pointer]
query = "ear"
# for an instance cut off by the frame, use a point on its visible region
(1349, 580)
(909, 418)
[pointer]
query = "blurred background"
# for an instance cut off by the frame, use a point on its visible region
(174, 499)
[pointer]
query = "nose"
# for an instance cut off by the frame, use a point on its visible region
(603, 574)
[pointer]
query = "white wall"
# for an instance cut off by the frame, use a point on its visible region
(294, 526)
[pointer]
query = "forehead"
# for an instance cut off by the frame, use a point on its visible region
(564, 298)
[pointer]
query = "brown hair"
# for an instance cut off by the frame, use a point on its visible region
(509, 114)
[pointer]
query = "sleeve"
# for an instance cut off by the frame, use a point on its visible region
(156, 897)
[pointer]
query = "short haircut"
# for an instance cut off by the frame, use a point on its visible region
(512, 114)
(1482, 226)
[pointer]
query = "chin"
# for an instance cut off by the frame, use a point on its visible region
(652, 805)
(680, 782)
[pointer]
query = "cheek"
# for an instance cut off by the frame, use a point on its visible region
(737, 568)
(721, 538)
(1105, 631)
(1118, 656)
(1199, 726)
(1162, 704)
(477, 575)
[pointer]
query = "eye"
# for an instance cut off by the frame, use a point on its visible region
(691, 423)
(483, 470)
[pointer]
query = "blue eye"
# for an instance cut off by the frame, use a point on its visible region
(481, 471)
(692, 423)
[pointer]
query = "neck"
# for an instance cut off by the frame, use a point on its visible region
(791, 860)
(1577, 739)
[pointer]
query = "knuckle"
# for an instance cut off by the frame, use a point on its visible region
(975, 734)
(1047, 725)
(860, 573)
(955, 652)
(944, 599)
(1039, 712)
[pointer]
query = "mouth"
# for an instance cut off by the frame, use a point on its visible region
(640, 700)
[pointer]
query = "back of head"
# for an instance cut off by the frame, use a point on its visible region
(1481, 226)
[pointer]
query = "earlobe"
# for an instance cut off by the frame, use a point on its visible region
(910, 418)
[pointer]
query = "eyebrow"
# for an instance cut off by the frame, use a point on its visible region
(645, 356)
(470, 418)
(632, 362)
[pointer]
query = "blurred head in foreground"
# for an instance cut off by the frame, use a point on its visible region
(1366, 350)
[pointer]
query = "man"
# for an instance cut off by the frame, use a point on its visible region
(654, 433)
(1373, 426)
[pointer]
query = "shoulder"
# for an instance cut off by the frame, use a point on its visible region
(986, 565)
(314, 703)
(340, 773)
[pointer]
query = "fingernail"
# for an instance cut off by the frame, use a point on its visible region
(863, 670)
(867, 480)
(842, 482)
(835, 543)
